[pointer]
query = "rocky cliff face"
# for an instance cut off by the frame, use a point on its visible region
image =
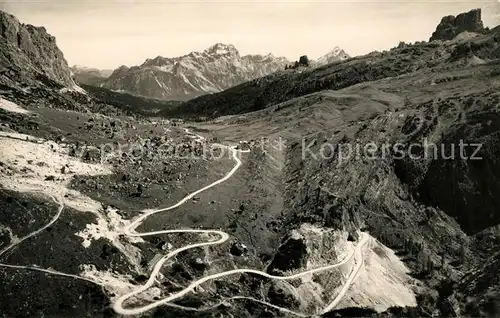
(450, 26)
(197, 73)
(31, 50)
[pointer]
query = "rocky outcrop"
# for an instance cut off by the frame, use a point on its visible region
(198, 73)
(31, 50)
(335, 55)
(304, 60)
(450, 26)
(478, 293)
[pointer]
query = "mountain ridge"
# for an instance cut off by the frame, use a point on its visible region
(216, 68)
(89, 75)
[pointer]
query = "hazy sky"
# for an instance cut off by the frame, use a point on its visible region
(107, 34)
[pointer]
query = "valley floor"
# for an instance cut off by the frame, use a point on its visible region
(113, 255)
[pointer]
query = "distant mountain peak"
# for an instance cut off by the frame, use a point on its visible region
(222, 49)
(336, 54)
(120, 70)
(89, 75)
(158, 61)
(216, 68)
(81, 67)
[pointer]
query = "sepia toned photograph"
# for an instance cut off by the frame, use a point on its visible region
(240, 159)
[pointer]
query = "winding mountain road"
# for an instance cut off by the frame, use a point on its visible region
(118, 304)
(354, 273)
(14, 243)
